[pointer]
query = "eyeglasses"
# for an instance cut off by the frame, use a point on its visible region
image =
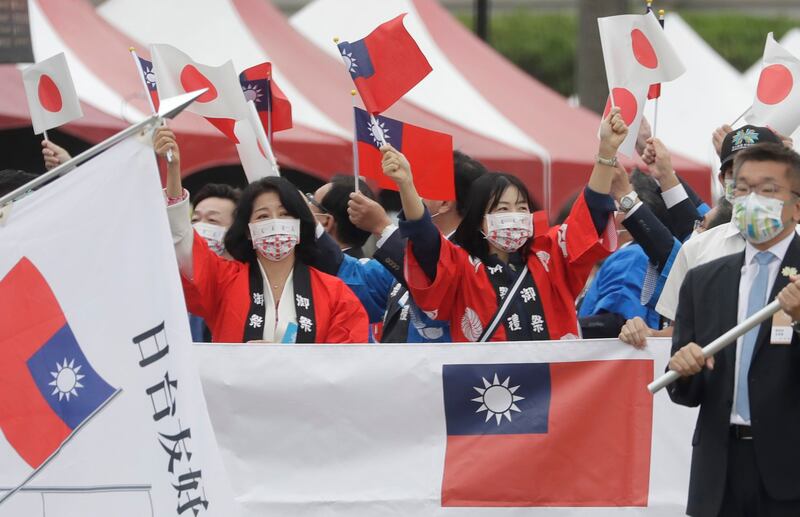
(315, 204)
(763, 189)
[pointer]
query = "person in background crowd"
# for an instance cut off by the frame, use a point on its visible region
(11, 180)
(330, 206)
(506, 277)
(745, 458)
(212, 215)
(378, 280)
(268, 292)
(724, 239)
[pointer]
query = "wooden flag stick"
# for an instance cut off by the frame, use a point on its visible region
(661, 13)
(45, 136)
(355, 141)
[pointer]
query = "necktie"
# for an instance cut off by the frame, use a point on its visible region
(755, 302)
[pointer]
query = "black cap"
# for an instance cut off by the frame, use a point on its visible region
(742, 138)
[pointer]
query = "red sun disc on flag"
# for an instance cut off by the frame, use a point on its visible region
(626, 102)
(774, 84)
(642, 50)
(49, 94)
(192, 79)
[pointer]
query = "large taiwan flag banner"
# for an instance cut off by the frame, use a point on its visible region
(430, 154)
(572, 434)
(49, 386)
(385, 65)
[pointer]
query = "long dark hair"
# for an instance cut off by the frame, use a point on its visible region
(237, 238)
(485, 194)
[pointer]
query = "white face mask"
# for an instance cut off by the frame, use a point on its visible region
(509, 231)
(274, 239)
(758, 218)
(213, 234)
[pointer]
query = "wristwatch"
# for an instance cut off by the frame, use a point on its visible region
(611, 162)
(628, 201)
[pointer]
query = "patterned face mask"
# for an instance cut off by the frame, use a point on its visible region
(509, 231)
(274, 239)
(730, 186)
(758, 218)
(213, 234)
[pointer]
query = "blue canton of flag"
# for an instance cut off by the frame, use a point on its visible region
(383, 129)
(481, 399)
(149, 74)
(66, 380)
(256, 90)
(356, 59)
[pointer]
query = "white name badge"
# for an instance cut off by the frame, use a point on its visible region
(782, 331)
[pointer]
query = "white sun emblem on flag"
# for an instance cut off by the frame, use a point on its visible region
(67, 380)
(378, 132)
(252, 93)
(497, 399)
(350, 62)
(150, 76)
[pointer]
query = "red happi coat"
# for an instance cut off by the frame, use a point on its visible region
(560, 261)
(219, 292)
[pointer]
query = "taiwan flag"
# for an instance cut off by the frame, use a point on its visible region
(149, 76)
(49, 387)
(517, 434)
(385, 65)
(259, 86)
(430, 154)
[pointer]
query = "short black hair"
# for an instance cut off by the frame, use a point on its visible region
(12, 179)
(467, 170)
(771, 152)
(650, 194)
(335, 203)
(722, 215)
(220, 190)
(237, 238)
(486, 193)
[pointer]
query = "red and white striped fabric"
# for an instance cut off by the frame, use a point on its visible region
(51, 94)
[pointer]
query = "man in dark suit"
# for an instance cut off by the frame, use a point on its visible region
(746, 457)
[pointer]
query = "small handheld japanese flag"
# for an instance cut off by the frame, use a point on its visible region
(777, 99)
(52, 98)
(255, 151)
(636, 50)
(631, 102)
(177, 74)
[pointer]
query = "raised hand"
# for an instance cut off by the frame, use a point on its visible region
(396, 166)
(719, 135)
(53, 154)
(367, 214)
(613, 132)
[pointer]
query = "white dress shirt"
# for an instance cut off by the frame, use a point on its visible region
(749, 271)
(712, 244)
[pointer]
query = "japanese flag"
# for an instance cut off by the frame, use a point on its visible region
(631, 102)
(52, 98)
(636, 51)
(255, 151)
(177, 74)
(777, 99)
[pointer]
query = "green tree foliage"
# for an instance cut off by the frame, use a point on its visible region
(543, 44)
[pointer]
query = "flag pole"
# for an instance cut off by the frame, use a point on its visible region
(269, 107)
(721, 342)
(45, 135)
(655, 113)
(169, 108)
(38, 469)
(740, 117)
(355, 141)
(140, 73)
(262, 137)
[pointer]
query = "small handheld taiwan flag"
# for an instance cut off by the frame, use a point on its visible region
(51, 94)
(259, 86)
(430, 154)
(50, 388)
(517, 434)
(385, 65)
(148, 75)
